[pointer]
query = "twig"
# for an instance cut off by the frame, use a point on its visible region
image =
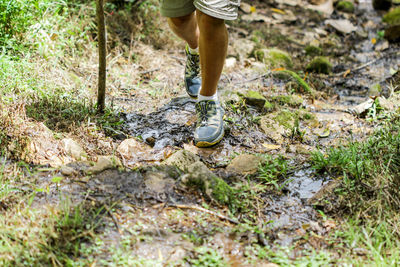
(148, 71)
(181, 60)
(357, 68)
(205, 211)
(116, 223)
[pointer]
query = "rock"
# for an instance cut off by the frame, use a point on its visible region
(67, 171)
(312, 50)
(243, 48)
(345, 6)
(291, 100)
(157, 181)
(381, 4)
(362, 109)
(392, 33)
(246, 8)
(320, 65)
(199, 176)
(73, 149)
(374, 90)
(276, 125)
(134, 152)
(230, 62)
(182, 159)
(391, 104)
(324, 7)
(104, 163)
(324, 192)
(381, 46)
(274, 58)
(254, 98)
(341, 25)
(392, 17)
(244, 164)
(270, 264)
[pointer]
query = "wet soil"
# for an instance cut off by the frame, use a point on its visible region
(145, 199)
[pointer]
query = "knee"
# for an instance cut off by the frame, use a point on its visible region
(180, 21)
(206, 21)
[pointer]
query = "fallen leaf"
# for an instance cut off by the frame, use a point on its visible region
(276, 10)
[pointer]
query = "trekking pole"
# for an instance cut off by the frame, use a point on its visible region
(101, 29)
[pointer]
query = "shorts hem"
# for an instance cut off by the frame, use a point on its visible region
(174, 13)
(214, 14)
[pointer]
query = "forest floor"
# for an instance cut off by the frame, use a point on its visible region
(306, 174)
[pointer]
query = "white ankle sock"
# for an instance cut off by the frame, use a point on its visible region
(213, 97)
(193, 51)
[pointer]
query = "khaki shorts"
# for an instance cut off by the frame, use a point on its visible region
(221, 9)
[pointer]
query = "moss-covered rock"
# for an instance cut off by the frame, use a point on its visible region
(291, 100)
(274, 58)
(285, 118)
(199, 176)
(320, 65)
(312, 50)
(392, 17)
(255, 98)
(345, 6)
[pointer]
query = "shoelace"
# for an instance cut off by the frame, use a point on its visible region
(203, 112)
(193, 65)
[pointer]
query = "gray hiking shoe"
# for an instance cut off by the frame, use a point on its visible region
(210, 126)
(192, 73)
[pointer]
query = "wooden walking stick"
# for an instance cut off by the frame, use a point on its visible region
(101, 28)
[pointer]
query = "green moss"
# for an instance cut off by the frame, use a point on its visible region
(320, 65)
(345, 6)
(392, 17)
(255, 98)
(274, 58)
(221, 191)
(299, 80)
(291, 100)
(285, 118)
(312, 50)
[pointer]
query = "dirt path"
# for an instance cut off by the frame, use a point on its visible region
(266, 115)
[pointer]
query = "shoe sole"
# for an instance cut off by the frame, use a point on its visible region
(210, 144)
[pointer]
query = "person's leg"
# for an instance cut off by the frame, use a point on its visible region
(186, 28)
(213, 44)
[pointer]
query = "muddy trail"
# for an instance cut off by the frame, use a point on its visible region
(145, 192)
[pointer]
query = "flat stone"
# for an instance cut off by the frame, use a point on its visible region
(182, 159)
(104, 163)
(73, 149)
(67, 171)
(244, 164)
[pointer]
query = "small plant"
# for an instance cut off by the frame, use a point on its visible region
(273, 170)
(205, 256)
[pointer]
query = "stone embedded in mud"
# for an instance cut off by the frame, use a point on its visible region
(345, 6)
(273, 129)
(104, 163)
(392, 104)
(134, 153)
(182, 159)
(324, 192)
(244, 164)
(320, 65)
(392, 33)
(67, 170)
(199, 176)
(274, 58)
(73, 149)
